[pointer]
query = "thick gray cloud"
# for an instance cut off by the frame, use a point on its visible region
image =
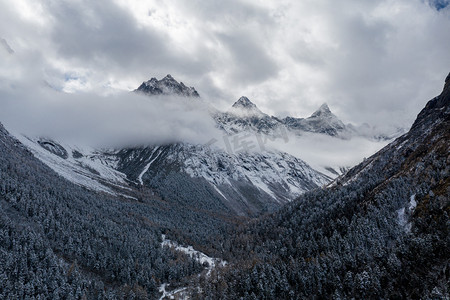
(122, 119)
(105, 38)
(323, 151)
(371, 61)
(251, 63)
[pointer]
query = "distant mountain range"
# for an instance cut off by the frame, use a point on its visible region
(245, 177)
(244, 115)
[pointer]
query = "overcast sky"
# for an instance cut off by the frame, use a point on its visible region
(374, 61)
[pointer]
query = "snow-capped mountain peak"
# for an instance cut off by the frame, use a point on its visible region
(321, 121)
(323, 110)
(245, 103)
(245, 107)
(166, 86)
(169, 78)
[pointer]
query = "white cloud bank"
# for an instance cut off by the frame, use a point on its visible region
(122, 119)
(323, 151)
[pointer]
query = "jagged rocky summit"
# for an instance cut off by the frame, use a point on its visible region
(166, 86)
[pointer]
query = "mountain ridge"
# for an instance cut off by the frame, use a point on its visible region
(245, 115)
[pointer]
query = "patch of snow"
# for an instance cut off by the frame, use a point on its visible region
(148, 165)
(91, 170)
(181, 293)
(403, 214)
(412, 203)
(402, 220)
(172, 294)
(201, 257)
(219, 192)
(401, 145)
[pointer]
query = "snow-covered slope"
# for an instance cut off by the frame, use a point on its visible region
(84, 166)
(244, 181)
